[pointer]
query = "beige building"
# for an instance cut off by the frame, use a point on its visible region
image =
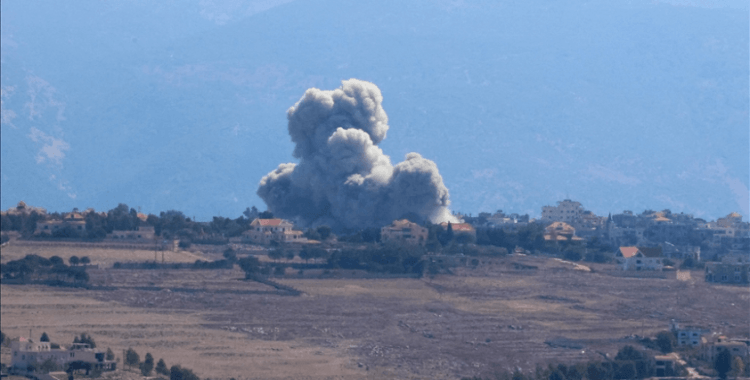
(566, 211)
(639, 259)
(560, 231)
(74, 220)
(25, 352)
(265, 231)
(140, 234)
(404, 231)
(733, 269)
(737, 348)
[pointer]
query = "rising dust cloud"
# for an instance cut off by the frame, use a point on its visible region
(343, 179)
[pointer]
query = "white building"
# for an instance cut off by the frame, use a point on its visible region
(264, 231)
(25, 352)
(688, 335)
(639, 258)
(566, 211)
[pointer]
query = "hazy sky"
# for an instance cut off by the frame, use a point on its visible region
(182, 105)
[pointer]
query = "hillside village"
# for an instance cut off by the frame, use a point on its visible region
(649, 241)
(649, 245)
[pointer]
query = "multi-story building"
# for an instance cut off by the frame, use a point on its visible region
(265, 231)
(404, 231)
(566, 211)
(688, 336)
(737, 348)
(733, 269)
(25, 353)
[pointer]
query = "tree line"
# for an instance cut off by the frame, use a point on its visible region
(37, 268)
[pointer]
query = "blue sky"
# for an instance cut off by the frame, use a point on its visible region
(182, 105)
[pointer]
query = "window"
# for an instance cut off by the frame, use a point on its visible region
(724, 278)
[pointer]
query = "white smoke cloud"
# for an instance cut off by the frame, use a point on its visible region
(343, 178)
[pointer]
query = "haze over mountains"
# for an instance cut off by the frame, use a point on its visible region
(617, 104)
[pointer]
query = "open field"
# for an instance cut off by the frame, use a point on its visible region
(496, 317)
(98, 256)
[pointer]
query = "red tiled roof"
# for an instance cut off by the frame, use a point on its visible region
(628, 251)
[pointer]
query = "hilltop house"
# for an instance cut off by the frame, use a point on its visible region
(74, 220)
(639, 258)
(404, 231)
(265, 231)
(25, 353)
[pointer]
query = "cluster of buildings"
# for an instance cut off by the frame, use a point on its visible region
(709, 344)
(26, 353)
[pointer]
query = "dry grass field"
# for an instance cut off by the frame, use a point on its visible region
(98, 256)
(475, 322)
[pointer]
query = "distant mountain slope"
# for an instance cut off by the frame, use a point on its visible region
(617, 104)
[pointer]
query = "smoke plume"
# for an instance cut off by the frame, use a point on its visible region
(343, 179)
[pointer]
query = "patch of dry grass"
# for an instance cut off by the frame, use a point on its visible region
(178, 336)
(98, 256)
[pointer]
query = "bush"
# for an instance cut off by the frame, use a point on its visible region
(572, 256)
(179, 373)
(666, 341)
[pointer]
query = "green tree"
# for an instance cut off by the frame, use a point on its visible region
(179, 373)
(324, 232)
(312, 234)
(290, 255)
(161, 367)
(132, 358)
(73, 260)
(665, 340)
(44, 338)
(626, 370)
(276, 254)
(86, 339)
(148, 365)
(110, 355)
(250, 265)
(723, 363)
(266, 215)
(230, 255)
(48, 366)
(85, 260)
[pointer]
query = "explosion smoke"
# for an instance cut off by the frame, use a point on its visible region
(343, 179)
